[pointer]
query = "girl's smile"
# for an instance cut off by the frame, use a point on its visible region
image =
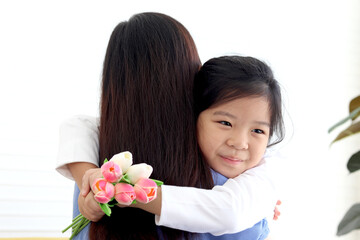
(232, 162)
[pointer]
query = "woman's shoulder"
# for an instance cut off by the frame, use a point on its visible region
(81, 121)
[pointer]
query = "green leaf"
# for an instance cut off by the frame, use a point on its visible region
(125, 179)
(352, 115)
(158, 182)
(350, 221)
(354, 162)
(106, 209)
(106, 160)
(353, 129)
(354, 104)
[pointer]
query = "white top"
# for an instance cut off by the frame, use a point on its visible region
(78, 142)
(237, 205)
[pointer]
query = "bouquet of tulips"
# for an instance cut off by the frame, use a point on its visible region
(121, 183)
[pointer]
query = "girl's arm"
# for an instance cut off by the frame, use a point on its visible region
(235, 206)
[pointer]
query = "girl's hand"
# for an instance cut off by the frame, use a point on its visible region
(276, 210)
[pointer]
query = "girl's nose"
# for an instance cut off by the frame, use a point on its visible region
(239, 142)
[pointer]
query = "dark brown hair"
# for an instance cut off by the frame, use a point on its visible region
(147, 109)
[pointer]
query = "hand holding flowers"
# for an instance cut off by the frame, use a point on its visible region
(121, 183)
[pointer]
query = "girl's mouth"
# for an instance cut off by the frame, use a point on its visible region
(232, 160)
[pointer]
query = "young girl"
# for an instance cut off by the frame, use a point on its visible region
(163, 140)
(238, 104)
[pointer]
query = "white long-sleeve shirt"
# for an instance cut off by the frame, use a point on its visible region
(235, 206)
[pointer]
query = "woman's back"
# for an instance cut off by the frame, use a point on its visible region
(147, 108)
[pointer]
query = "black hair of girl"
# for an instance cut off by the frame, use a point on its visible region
(147, 108)
(227, 78)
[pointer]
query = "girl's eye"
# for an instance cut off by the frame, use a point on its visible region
(225, 123)
(258, 131)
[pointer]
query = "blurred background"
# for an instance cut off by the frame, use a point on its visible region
(51, 55)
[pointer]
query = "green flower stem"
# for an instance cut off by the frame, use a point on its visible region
(87, 221)
(77, 217)
(73, 224)
(76, 229)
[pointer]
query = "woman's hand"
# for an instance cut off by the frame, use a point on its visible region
(88, 206)
(88, 179)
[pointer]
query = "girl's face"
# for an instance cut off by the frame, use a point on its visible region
(233, 136)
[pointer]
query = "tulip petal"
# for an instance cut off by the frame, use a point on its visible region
(146, 190)
(103, 190)
(111, 171)
(138, 171)
(124, 193)
(141, 195)
(101, 198)
(123, 159)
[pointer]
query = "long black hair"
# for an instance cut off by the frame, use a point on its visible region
(147, 108)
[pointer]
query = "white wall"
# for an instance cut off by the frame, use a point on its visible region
(51, 54)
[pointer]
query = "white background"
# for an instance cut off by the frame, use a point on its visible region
(51, 55)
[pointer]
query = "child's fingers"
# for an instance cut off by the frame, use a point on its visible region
(277, 213)
(276, 210)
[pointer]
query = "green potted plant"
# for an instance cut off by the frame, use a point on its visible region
(351, 219)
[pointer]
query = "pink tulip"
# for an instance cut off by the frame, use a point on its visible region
(124, 193)
(103, 190)
(111, 171)
(145, 190)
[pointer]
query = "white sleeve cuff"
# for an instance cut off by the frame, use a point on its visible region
(78, 142)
